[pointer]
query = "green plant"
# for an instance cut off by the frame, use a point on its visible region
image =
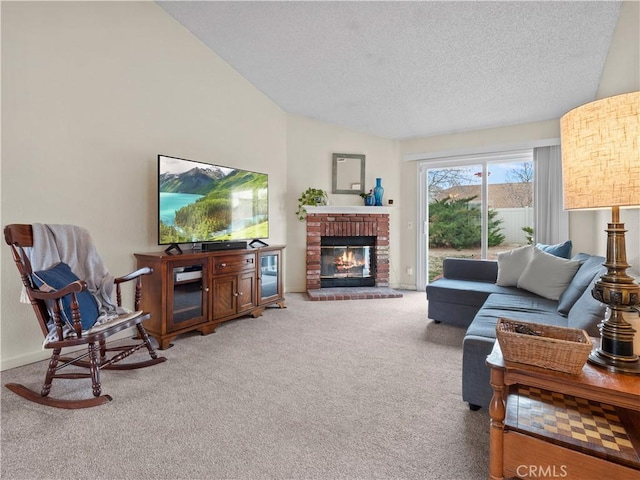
(528, 234)
(310, 197)
(456, 223)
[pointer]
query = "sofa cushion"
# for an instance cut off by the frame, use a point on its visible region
(562, 250)
(511, 264)
(580, 282)
(470, 269)
(587, 312)
(527, 308)
(467, 292)
(547, 275)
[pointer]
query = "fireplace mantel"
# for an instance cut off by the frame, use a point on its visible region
(329, 209)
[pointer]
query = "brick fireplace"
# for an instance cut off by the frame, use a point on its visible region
(348, 222)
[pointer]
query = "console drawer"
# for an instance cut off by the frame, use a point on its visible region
(234, 263)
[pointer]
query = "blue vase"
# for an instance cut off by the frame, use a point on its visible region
(378, 191)
(369, 200)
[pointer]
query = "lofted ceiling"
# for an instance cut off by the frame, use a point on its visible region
(407, 69)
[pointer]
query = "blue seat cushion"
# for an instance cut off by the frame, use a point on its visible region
(529, 309)
(60, 276)
(467, 292)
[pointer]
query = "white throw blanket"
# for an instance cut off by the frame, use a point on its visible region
(72, 245)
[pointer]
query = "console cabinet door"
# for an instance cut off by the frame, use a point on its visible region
(269, 276)
(224, 296)
(187, 293)
(246, 291)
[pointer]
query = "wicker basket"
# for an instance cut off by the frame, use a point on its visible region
(556, 348)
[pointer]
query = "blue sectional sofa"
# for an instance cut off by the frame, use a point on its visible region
(467, 296)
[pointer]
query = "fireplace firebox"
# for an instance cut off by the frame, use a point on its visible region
(347, 261)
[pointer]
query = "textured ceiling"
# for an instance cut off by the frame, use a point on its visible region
(407, 69)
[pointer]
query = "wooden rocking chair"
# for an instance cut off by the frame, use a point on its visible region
(49, 310)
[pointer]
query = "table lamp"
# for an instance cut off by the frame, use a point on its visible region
(601, 169)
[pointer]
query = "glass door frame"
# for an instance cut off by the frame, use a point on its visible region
(483, 160)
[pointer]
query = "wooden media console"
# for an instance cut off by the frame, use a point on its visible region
(198, 290)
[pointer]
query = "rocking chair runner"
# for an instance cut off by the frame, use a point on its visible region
(49, 310)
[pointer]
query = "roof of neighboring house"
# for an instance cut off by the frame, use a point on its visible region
(501, 195)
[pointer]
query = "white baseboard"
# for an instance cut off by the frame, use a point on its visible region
(25, 359)
(44, 354)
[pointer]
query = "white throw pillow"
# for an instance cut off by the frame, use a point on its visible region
(547, 275)
(511, 264)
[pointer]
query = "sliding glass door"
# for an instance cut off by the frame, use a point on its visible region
(473, 207)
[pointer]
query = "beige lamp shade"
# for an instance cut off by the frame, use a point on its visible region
(601, 153)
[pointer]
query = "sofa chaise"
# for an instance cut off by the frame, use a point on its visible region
(470, 295)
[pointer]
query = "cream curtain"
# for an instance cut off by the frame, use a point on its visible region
(551, 220)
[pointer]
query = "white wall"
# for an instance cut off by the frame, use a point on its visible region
(310, 146)
(92, 92)
(621, 73)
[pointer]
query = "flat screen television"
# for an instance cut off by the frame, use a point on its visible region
(201, 203)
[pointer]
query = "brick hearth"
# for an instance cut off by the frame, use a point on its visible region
(352, 222)
(352, 293)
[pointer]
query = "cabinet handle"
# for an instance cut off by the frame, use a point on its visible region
(222, 265)
(206, 289)
(235, 294)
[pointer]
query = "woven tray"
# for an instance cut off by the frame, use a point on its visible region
(556, 348)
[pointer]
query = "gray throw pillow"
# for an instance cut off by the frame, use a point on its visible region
(547, 275)
(511, 264)
(583, 277)
(587, 312)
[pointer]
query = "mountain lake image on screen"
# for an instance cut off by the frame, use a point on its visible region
(200, 202)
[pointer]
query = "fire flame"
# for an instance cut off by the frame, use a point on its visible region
(347, 261)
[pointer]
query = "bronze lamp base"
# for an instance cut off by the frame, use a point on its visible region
(620, 293)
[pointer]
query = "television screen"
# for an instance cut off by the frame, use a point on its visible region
(200, 202)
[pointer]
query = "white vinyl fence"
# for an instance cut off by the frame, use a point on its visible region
(513, 219)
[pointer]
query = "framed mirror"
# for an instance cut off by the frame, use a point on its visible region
(348, 173)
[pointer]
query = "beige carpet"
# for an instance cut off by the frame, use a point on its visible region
(361, 389)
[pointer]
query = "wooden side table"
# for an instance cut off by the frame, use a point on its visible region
(547, 424)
